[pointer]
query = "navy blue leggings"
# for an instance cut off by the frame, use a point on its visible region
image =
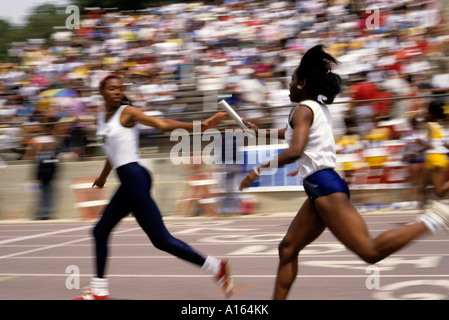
(134, 196)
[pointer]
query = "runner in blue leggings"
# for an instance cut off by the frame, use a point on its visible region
(118, 133)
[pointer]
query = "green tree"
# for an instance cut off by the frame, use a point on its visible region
(120, 4)
(5, 32)
(123, 4)
(39, 24)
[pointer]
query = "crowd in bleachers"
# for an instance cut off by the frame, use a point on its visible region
(179, 58)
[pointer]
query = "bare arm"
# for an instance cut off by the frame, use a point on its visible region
(101, 180)
(425, 143)
(280, 132)
(132, 115)
(302, 119)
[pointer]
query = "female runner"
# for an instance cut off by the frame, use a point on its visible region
(312, 146)
(436, 159)
(118, 133)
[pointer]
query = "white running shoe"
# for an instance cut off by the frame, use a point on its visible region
(437, 216)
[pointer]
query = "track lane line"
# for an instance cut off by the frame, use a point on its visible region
(57, 245)
(40, 235)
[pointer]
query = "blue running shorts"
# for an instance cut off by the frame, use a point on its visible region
(323, 183)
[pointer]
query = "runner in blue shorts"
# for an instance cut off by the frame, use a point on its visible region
(312, 147)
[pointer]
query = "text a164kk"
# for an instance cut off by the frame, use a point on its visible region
(251, 309)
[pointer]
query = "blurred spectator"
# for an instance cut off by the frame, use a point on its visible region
(230, 171)
(364, 111)
(436, 151)
(382, 109)
(414, 158)
(10, 134)
(200, 191)
(43, 149)
(400, 87)
(252, 91)
(244, 49)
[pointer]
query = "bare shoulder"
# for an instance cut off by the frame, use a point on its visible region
(131, 110)
(302, 113)
(130, 115)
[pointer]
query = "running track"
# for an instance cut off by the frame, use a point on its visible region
(37, 260)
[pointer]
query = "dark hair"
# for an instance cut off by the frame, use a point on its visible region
(125, 99)
(436, 109)
(322, 84)
(109, 76)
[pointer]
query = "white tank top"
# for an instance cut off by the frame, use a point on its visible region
(319, 152)
(120, 144)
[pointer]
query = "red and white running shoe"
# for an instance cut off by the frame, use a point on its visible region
(224, 279)
(89, 295)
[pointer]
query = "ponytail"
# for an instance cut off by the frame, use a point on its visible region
(315, 67)
(126, 101)
(436, 109)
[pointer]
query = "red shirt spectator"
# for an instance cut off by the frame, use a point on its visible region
(364, 91)
(382, 107)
